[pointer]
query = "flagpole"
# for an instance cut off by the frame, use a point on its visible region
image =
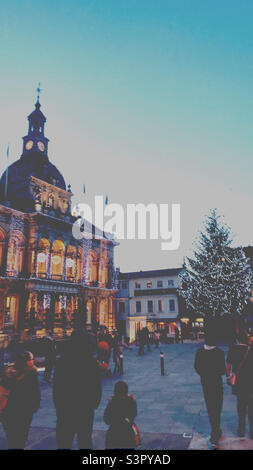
(7, 169)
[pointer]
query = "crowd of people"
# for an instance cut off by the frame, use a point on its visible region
(211, 365)
(77, 388)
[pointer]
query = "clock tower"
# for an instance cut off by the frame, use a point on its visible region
(35, 141)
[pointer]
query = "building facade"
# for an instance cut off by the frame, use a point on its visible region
(148, 298)
(46, 274)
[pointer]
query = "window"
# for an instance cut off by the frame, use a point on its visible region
(43, 258)
(57, 259)
(124, 285)
(150, 306)
(137, 285)
(172, 305)
(103, 269)
(170, 283)
(149, 284)
(138, 306)
(71, 263)
(159, 283)
(121, 307)
(93, 273)
(51, 201)
(160, 306)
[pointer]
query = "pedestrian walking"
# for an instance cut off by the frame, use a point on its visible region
(117, 351)
(240, 375)
(32, 321)
(50, 357)
(210, 365)
(181, 335)
(147, 338)
(49, 320)
(176, 334)
(21, 382)
(103, 349)
(156, 338)
(77, 392)
(119, 414)
(141, 341)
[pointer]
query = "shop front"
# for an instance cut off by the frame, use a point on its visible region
(134, 325)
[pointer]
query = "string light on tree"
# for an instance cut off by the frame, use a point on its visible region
(218, 280)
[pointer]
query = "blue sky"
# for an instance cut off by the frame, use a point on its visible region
(148, 101)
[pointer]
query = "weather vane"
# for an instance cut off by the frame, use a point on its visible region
(38, 91)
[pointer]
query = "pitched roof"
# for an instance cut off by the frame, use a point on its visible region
(153, 273)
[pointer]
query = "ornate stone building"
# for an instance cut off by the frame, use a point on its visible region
(45, 272)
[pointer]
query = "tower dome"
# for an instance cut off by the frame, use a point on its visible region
(33, 162)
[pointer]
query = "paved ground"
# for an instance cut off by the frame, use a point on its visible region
(171, 409)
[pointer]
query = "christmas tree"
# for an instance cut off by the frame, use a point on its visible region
(218, 280)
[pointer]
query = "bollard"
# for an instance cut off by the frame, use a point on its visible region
(121, 370)
(162, 362)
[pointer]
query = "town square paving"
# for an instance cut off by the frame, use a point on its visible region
(171, 408)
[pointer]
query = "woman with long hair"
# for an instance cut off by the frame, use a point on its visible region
(240, 362)
(21, 381)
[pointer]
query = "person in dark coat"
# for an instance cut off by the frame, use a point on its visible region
(147, 338)
(176, 334)
(32, 321)
(210, 365)
(119, 415)
(77, 393)
(142, 341)
(242, 354)
(23, 401)
(50, 357)
(49, 320)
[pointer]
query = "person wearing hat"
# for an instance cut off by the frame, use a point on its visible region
(210, 365)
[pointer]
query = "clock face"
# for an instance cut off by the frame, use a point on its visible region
(41, 257)
(70, 263)
(41, 146)
(29, 145)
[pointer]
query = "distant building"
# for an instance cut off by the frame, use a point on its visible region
(46, 275)
(148, 298)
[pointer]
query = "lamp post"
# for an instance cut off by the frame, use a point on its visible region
(162, 363)
(121, 370)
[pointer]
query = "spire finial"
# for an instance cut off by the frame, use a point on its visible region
(38, 92)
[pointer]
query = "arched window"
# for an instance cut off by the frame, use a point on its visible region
(93, 267)
(80, 258)
(15, 255)
(58, 251)
(51, 201)
(89, 312)
(11, 311)
(103, 269)
(42, 258)
(71, 263)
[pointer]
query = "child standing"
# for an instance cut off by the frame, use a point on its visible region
(119, 415)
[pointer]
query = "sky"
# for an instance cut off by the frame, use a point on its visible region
(146, 101)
